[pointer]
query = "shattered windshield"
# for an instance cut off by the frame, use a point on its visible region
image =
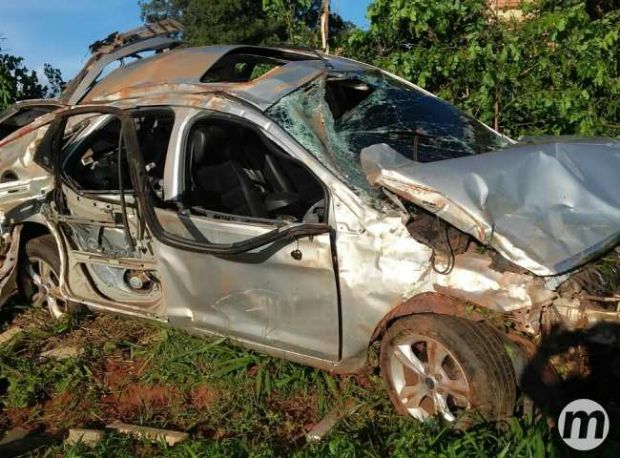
(336, 117)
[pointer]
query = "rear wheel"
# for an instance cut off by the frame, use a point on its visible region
(443, 365)
(39, 276)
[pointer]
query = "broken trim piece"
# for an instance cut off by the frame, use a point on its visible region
(151, 37)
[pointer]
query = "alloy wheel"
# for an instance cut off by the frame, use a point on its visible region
(428, 378)
(46, 286)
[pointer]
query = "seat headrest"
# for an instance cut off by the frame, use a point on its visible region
(198, 145)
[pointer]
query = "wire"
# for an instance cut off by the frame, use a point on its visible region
(451, 259)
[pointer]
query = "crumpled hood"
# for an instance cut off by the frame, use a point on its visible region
(545, 207)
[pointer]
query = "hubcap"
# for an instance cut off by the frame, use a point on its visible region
(46, 286)
(428, 378)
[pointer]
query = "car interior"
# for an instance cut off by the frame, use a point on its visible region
(235, 170)
(93, 164)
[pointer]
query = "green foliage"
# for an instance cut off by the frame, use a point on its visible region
(31, 379)
(156, 10)
(292, 14)
(257, 405)
(19, 83)
(302, 20)
(390, 436)
(553, 72)
(229, 21)
(54, 78)
(246, 21)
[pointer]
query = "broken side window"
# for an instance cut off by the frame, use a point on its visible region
(23, 117)
(91, 159)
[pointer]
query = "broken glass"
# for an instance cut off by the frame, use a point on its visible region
(338, 115)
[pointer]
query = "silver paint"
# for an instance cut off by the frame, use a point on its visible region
(265, 299)
(546, 207)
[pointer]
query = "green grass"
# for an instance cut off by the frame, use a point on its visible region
(233, 402)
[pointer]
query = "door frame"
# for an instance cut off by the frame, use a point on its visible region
(282, 233)
(147, 206)
(49, 156)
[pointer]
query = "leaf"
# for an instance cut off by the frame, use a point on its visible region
(232, 366)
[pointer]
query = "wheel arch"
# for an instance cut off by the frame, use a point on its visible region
(33, 229)
(37, 226)
(432, 302)
(520, 348)
(16, 238)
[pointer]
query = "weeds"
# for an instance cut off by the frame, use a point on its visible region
(233, 402)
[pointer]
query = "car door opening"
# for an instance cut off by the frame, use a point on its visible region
(234, 170)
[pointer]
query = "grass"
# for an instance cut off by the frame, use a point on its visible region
(233, 402)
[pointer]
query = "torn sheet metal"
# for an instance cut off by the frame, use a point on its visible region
(188, 66)
(22, 180)
(181, 66)
(154, 37)
(546, 207)
(474, 280)
(8, 267)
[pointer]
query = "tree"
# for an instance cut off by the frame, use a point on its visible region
(229, 21)
(301, 19)
(156, 10)
(246, 21)
(19, 83)
(54, 78)
(554, 72)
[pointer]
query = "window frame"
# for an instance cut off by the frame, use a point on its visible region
(102, 120)
(280, 231)
(143, 194)
(18, 108)
(186, 162)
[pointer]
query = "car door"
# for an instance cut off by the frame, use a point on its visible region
(247, 251)
(109, 258)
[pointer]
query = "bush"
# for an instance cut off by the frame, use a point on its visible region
(553, 72)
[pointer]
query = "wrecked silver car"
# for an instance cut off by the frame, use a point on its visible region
(313, 208)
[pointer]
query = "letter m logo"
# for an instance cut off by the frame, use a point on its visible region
(584, 420)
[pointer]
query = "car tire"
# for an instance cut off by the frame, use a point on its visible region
(39, 274)
(447, 366)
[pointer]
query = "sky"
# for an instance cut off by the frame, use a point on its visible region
(58, 32)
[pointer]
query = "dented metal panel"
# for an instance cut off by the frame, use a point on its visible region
(546, 207)
(22, 181)
(271, 87)
(179, 66)
(188, 66)
(265, 296)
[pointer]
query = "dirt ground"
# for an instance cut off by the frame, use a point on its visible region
(232, 402)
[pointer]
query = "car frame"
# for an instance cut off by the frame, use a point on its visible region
(318, 290)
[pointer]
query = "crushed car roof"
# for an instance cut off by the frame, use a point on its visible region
(202, 66)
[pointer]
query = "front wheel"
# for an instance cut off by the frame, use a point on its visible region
(39, 276)
(443, 365)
